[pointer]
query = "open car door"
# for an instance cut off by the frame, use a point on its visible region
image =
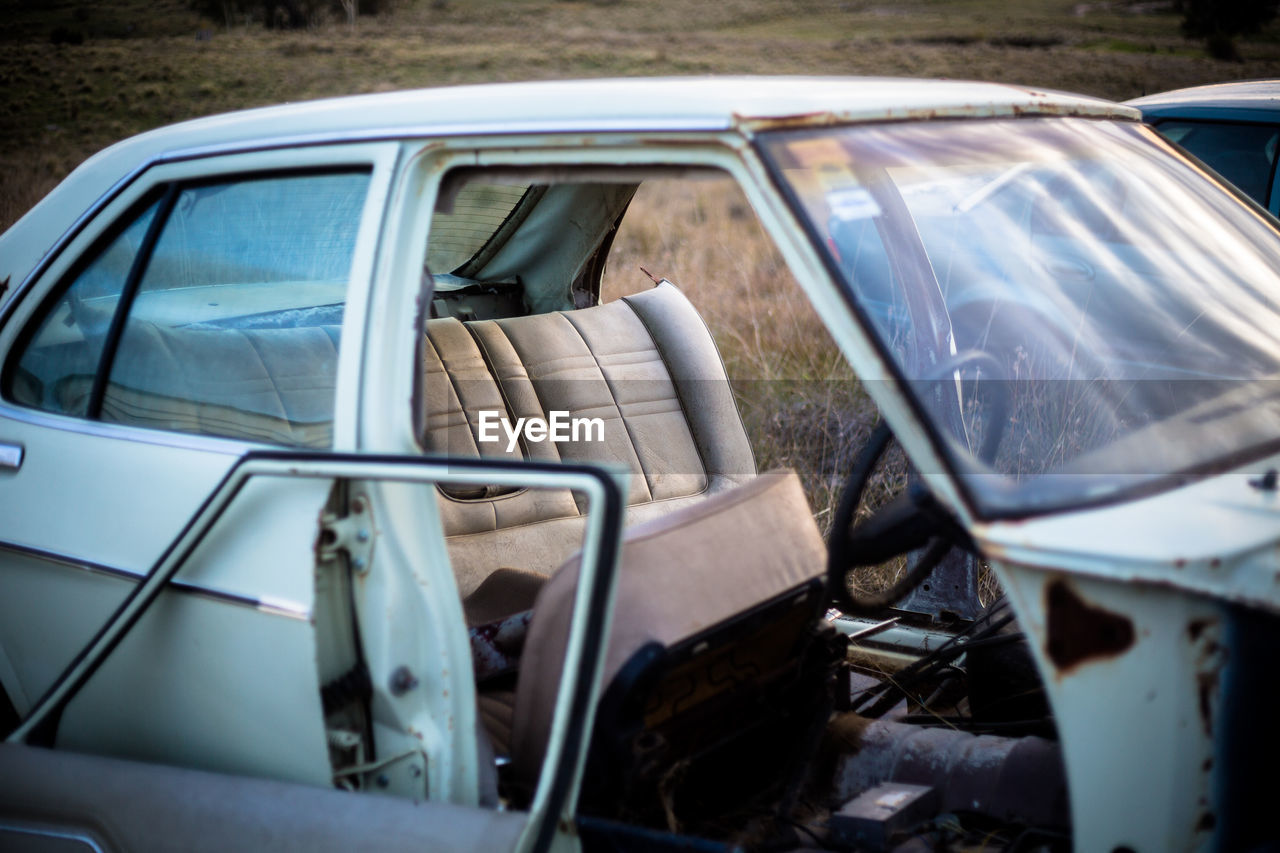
(398, 718)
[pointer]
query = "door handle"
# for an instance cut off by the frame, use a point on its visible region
(10, 456)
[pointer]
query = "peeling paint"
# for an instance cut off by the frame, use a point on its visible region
(1210, 657)
(1080, 632)
(1207, 685)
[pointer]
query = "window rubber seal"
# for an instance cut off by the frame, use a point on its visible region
(127, 295)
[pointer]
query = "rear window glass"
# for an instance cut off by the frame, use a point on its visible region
(461, 229)
(281, 229)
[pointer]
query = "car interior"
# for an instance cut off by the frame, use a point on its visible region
(723, 666)
(718, 664)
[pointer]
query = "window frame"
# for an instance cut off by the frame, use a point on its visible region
(32, 325)
(397, 306)
(110, 215)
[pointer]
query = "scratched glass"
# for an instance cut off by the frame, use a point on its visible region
(1078, 310)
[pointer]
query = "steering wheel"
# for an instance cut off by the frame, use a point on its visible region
(911, 520)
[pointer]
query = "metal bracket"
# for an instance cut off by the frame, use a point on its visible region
(951, 589)
(351, 533)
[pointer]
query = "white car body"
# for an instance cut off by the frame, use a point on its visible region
(92, 507)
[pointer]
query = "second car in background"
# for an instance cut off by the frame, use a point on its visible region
(1232, 127)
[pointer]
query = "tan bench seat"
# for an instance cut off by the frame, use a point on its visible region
(645, 365)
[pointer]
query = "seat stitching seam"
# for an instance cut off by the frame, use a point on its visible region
(675, 386)
(492, 367)
(635, 447)
(462, 405)
(537, 521)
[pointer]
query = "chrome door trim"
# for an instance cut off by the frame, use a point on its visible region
(274, 606)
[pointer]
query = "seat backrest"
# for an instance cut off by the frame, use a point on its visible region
(645, 365)
(272, 385)
(685, 576)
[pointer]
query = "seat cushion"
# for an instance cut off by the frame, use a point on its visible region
(680, 574)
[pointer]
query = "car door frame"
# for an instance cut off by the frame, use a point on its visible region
(1131, 610)
(399, 303)
(553, 803)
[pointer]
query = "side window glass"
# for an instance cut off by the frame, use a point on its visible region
(63, 354)
(1242, 153)
(233, 326)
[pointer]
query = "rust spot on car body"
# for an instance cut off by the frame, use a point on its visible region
(1080, 632)
(818, 118)
(1210, 657)
(1207, 683)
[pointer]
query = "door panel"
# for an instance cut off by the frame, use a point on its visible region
(221, 673)
(204, 680)
(84, 517)
(56, 801)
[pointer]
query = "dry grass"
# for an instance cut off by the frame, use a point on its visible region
(143, 64)
(800, 402)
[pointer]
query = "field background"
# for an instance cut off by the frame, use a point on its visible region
(140, 64)
(144, 63)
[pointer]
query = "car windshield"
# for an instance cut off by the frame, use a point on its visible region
(1077, 310)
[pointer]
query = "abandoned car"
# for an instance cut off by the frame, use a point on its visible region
(455, 468)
